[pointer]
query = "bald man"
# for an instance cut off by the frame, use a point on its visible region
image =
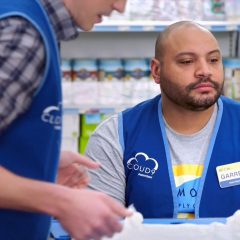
(176, 155)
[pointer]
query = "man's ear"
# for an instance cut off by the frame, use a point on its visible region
(155, 70)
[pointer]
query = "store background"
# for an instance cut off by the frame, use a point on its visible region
(107, 70)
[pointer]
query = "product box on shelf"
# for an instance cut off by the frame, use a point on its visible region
(232, 10)
(70, 130)
(85, 70)
(84, 85)
(136, 69)
(136, 84)
(71, 123)
(141, 9)
(89, 121)
(83, 141)
(214, 10)
(110, 70)
(66, 68)
(70, 144)
(231, 86)
(110, 81)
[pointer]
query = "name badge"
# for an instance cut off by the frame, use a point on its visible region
(229, 175)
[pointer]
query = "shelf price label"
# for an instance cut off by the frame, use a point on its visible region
(232, 27)
(123, 28)
(149, 28)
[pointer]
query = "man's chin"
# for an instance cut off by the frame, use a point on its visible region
(87, 28)
(202, 105)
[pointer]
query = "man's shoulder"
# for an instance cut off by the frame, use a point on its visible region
(110, 124)
(142, 106)
(231, 103)
(14, 22)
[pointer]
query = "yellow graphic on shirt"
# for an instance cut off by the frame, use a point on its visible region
(187, 178)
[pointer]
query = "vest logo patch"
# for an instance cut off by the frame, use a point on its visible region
(52, 116)
(144, 165)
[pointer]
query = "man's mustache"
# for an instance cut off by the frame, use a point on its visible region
(203, 80)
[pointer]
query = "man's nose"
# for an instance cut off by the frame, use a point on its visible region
(203, 69)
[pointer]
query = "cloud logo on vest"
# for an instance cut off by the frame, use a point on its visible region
(144, 165)
(52, 116)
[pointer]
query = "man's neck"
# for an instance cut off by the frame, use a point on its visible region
(185, 121)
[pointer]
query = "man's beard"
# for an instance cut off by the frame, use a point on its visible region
(182, 97)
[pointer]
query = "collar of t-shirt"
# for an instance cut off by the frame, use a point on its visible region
(184, 148)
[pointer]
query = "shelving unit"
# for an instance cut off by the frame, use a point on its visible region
(158, 26)
(127, 39)
(136, 39)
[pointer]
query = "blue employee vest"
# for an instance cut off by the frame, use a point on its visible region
(30, 147)
(150, 182)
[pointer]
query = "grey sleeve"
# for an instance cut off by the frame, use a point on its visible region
(104, 147)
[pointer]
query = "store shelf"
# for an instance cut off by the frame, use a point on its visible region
(152, 26)
(95, 107)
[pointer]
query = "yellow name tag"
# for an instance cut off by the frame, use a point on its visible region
(229, 175)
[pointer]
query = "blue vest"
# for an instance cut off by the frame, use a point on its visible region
(150, 182)
(30, 147)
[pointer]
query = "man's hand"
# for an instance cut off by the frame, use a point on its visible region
(72, 170)
(91, 215)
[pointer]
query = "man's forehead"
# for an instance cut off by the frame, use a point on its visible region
(190, 36)
(187, 30)
(182, 34)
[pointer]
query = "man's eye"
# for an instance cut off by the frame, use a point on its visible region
(214, 60)
(185, 62)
